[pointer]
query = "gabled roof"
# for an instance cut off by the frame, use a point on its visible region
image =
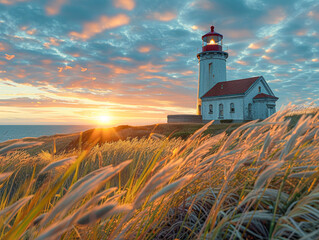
(233, 87)
(263, 95)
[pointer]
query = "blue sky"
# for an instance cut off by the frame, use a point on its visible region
(72, 61)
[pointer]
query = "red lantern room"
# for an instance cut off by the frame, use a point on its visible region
(212, 41)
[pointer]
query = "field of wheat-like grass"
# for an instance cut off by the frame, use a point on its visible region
(261, 181)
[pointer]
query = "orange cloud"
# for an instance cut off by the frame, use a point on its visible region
(230, 68)
(83, 69)
(67, 67)
(256, 45)
(31, 32)
(90, 29)
(122, 59)
(302, 32)
(165, 17)
(269, 50)
(60, 69)
(117, 69)
(53, 42)
(194, 27)
(314, 15)
(187, 73)
(124, 4)
(237, 33)
(274, 61)
(2, 47)
(266, 57)
(274, 16)
(9, 57)
(144, 49)
(315, 60)
(170, 59)
(242, 62)
(54, 7)
(151, 68)
(10, 2)
(202, 4)
(46, 61)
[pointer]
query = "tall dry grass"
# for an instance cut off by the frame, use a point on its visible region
(258, 182)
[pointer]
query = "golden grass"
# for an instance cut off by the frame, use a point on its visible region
(258, 182)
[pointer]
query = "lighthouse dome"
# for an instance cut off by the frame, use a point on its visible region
(212, 41)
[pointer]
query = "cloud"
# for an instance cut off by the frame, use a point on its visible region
(90, 29)
(11, 2)
(163, 16)
(141, 55)
(124, 4)
(144, 49)
(242, 62)
(52, 42)
(314, 15)
(237, 33)
(274, 16)
(3, 47)
(257, 45)
(9, 57)
(54, 7)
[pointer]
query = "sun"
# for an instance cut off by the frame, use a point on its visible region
(104, 119)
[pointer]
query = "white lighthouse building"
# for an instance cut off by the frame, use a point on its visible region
(222, 100)
(229, 101)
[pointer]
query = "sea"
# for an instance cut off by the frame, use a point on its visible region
(9, 132)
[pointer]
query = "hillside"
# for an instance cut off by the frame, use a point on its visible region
(70, 142)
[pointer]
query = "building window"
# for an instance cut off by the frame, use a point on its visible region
(210, 109)
(221, 110)
(250, 116)
(259, 89)
(232, 108)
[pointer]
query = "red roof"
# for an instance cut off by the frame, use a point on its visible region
(212, 33)
(233, 87)
(263, 95)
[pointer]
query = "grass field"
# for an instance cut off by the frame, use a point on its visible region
(258, 180)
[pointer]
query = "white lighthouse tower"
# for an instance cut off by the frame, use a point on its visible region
(212, 64)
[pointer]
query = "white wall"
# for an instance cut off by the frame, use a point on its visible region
(209, 77)
(237, 115)
(259, 110)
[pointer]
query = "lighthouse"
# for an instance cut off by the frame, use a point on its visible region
(226, 101)
(212, 64)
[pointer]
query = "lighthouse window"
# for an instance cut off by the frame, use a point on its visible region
(210, 109)
(221, 110)
(232, 108)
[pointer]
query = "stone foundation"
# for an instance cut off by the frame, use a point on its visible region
(184, 118)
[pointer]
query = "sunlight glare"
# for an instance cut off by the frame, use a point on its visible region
(104, 119)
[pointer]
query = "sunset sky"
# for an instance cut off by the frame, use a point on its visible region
(75, 61)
